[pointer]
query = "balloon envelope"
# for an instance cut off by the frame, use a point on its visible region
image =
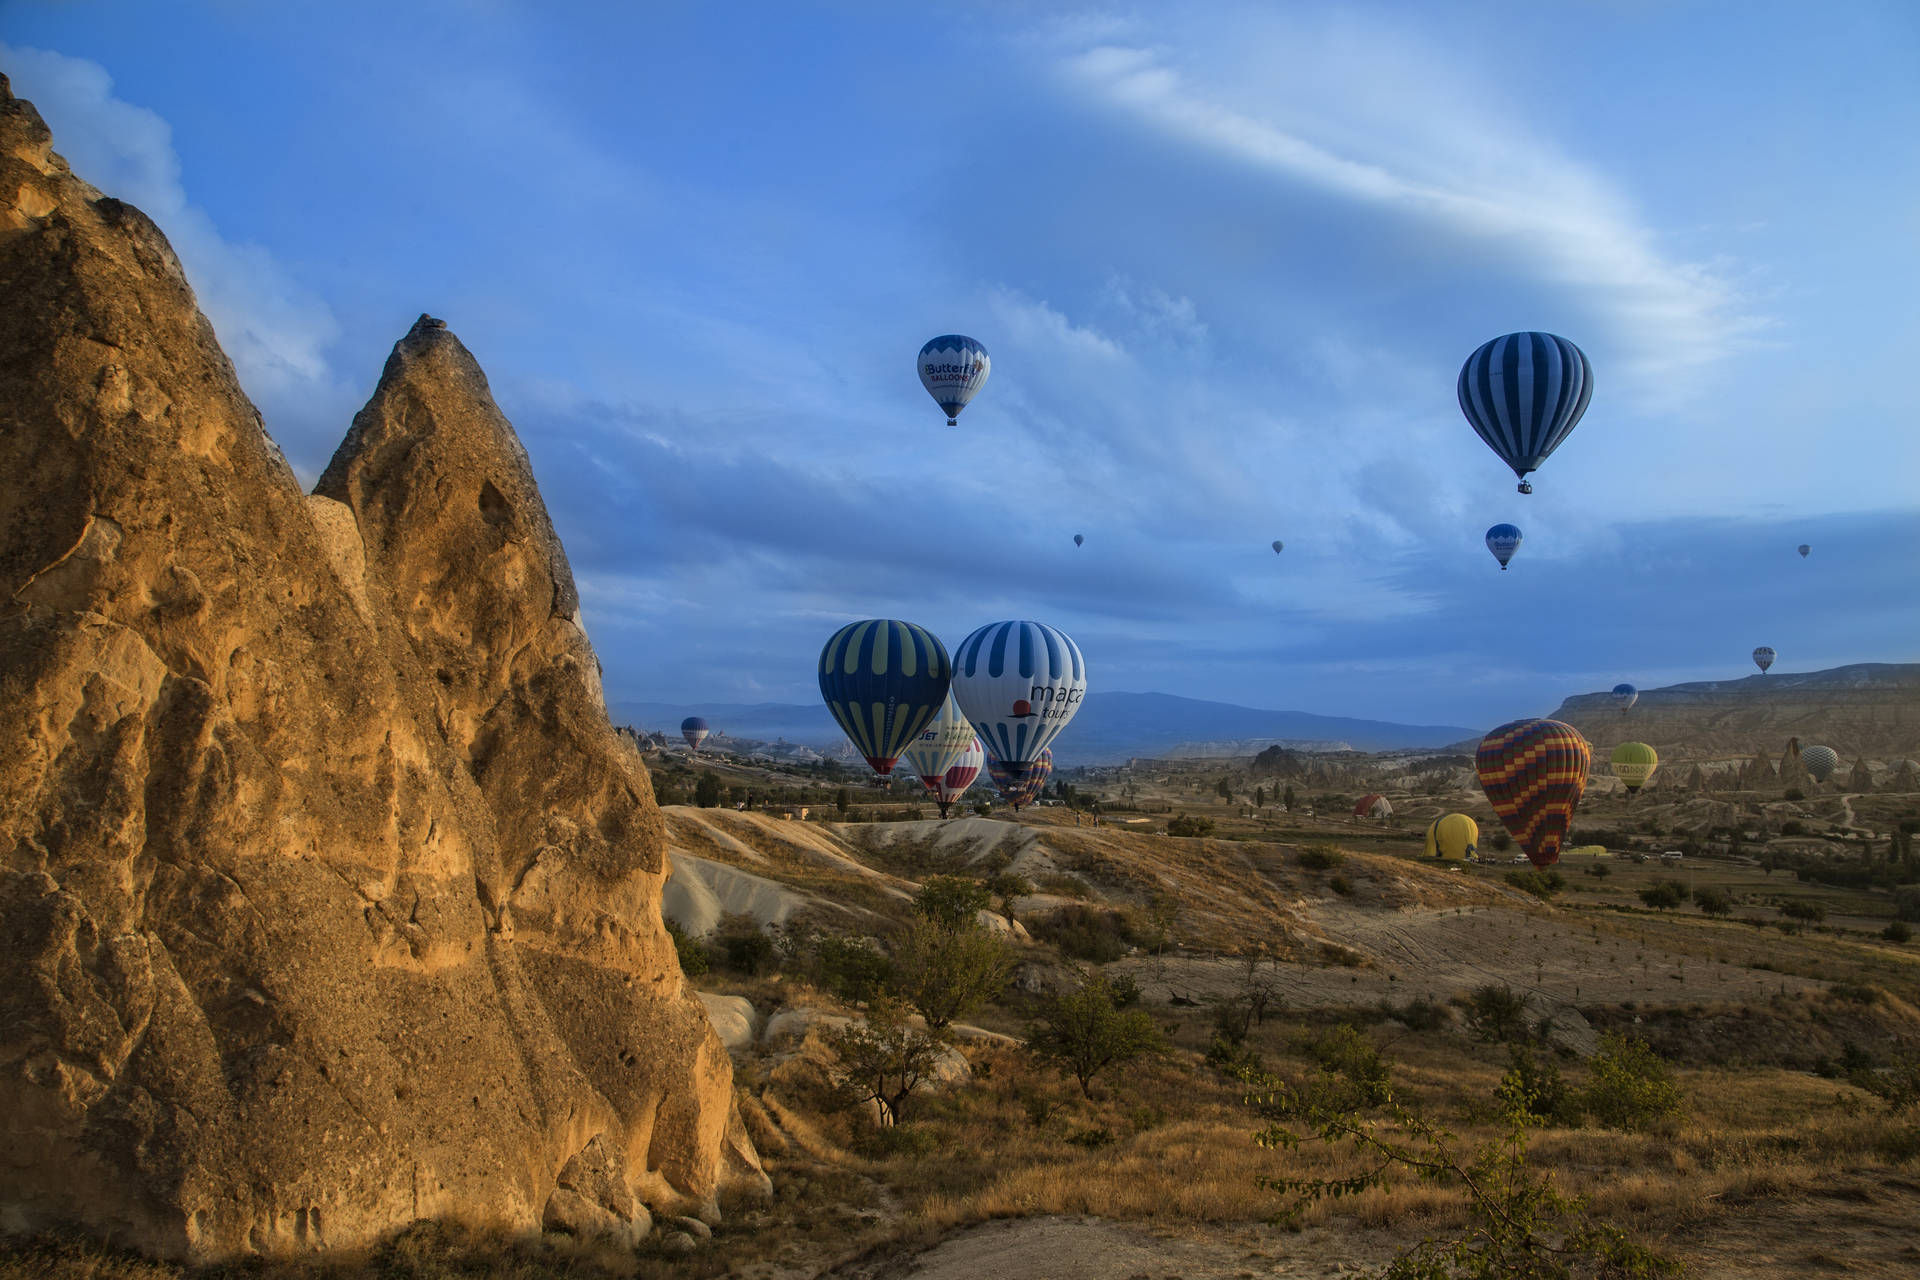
(1763, 657)
(1534, 773)
(694, 730)
(1020, 784)
(1625, 695)
(1373, 806)
(884, 681)
(1524, 393)
(1079, 539)
(1503, 540)
(1453, 836)
(953, 368)
(1804, 550)
(1820, 762)
(944, 740)
(1019, 683)
(1634, 763)
(1278, 546)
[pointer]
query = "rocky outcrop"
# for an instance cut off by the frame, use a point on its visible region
(330, 900)
(1872, 709)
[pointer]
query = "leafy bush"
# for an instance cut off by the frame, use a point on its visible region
(1795, 794)
(1233, 1057)
(1803, 911)
(1793, 827)
(694, 959)
(743, 945)
(852, 968)
(946, 974)
(1630, 1086)
(706, 791)
(1417, 1014)
(1085, 933)
(1715, 902)
(1182, 825)
(1538, 883)
(1353, 1074)
(1321, 857)
(1906, 904)
(1600, 870)
(1341, 885)
(883, 1059)
(1501, 841)
(951, 902)
(1664, 894)
(1537, 1090)
(1898, 931)
(1497, 1012)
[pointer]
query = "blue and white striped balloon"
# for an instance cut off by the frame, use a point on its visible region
(1625, 695)
(1524, 393)
(953, 368)
(1503, 540)
(1019, 683)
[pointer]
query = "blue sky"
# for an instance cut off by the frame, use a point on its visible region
(1228, 260)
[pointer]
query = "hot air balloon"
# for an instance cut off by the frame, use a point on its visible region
(1373, 806)
(1804, 550)
(1624, 696)
(939, 746)
(1278, 546)
(1534, 773)
(1524, 393)
(694, 730)
(1020, 784)
(1763, 658)
(884, 681)
(1503, 540)
(953, 368)
(953, 784)
(1820, 762)
(1019, 683)
(1453, 836)
(1079, 539)
(1634, 763)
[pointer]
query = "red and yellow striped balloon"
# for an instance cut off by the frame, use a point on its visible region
(1534, 772)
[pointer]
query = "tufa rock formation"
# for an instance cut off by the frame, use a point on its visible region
(330, 900)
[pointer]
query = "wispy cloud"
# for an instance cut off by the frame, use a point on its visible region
(1567, 224)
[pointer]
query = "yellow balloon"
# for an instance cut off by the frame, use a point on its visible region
(1453, 837)
(1634, 763)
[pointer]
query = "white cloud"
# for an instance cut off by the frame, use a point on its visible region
(275, 330)
(1568, 224)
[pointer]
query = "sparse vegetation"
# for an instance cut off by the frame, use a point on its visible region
(1541, 884)
(1089, 1029)
(1496, 1012)
(884, 1058)
(1664, 895)
(1321, 857)
(1182, 825)
(1629, 1086)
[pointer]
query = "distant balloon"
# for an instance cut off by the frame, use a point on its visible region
(1534, 773)
(1020, 784)
(942, 743)
(1634, 763)
(953, 368)
(884, 681)
(1453, 836)
(1079, 539)
(1820, 762)
(1804, 549)
(1763, 658)
(951, 785)
(1373, 806)
(694, 730)
(1625, 695)
(1524, 393)
(1019, 683)
(1503, 540)
(1278, 546)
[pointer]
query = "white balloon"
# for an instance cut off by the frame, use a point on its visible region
(1019, 683)
(940, 744)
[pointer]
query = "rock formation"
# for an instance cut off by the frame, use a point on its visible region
(330, 899)
(1872, 709)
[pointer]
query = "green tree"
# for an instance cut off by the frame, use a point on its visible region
(1536, 1088)
(1224, 789)
(1182, 825)
(952, 902)
(1664, 894)
(884, 1058)
(1086, 1030)
(1286, 798)
(1259, 797)
(1803, 911)
(1715, 902)
(1630, 1086)
(947, 974)
(706, 791)
(744, 946)
(1497, 1012)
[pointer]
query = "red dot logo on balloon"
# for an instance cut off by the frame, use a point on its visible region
(1022, 709)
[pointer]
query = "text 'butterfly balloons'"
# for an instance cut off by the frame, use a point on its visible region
(953, 368)
(1503, 540)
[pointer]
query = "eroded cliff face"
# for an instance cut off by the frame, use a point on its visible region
(328, 897)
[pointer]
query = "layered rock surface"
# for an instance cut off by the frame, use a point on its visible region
(329, 899)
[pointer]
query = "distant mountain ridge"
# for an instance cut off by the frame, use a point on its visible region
(1110, 728)
(1867, 709)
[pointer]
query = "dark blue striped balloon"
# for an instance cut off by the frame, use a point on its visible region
(1524, 393)
(884, 681)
